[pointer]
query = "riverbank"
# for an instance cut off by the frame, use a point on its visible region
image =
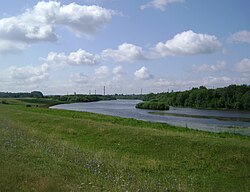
(126, 109)
(57, 150)
(203, 116)
(233, 97)
(48, 101)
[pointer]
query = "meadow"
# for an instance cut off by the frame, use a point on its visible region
(45, 149)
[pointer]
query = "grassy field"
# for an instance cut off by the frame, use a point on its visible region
(35, 102)
(55, 150)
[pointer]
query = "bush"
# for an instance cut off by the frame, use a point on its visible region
(152, 105)
(36, 94)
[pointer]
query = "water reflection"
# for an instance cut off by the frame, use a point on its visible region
(126, 108)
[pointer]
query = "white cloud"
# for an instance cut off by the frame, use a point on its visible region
(240, 37)
(167, 83)
(143, 74)
(209, 81)
(217, 81)
(117, 73)
(219, 66)
(243, 66)
(16, 34)
(188, 43)
(84, 20)
(125, 53)
(22, 29)
(162, 82)
(102, 76)
(80, 57)
(102, 72)
(160, 4)
(7, 46)
(29, 74)
(37, 24)
(80, 78)
(185, 43)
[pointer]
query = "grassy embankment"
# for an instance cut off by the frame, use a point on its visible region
(55, 150)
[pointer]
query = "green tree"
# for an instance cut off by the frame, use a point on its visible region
(36, 94)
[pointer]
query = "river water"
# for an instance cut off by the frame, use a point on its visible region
(126, 108)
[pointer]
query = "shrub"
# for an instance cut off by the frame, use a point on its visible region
(152, 105)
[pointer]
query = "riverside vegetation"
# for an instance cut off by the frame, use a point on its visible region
(233, 97)
(38, 97)
(43, 149)
(154, 105)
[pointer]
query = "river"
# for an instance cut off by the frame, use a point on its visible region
(126, 108)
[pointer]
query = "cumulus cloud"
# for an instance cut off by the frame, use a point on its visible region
(187, 43)
(29, 74)
(240, 37)
(243, 66)
(102, 72)
(219, 66)
(17, 33)
(38, 23)
(143, 74)
(125, 53)
(77, 58)
(117, 73)
(84, 20)
(7, 46)
(160, 4)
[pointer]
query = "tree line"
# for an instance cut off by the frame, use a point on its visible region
(232, 97)
(33, 94)
(80, 98)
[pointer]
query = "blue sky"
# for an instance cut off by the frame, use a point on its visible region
(157, 45)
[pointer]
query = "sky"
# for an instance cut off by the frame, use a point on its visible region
(62, 47)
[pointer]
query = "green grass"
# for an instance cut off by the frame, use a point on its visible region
(55, 150)
(33, 102)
